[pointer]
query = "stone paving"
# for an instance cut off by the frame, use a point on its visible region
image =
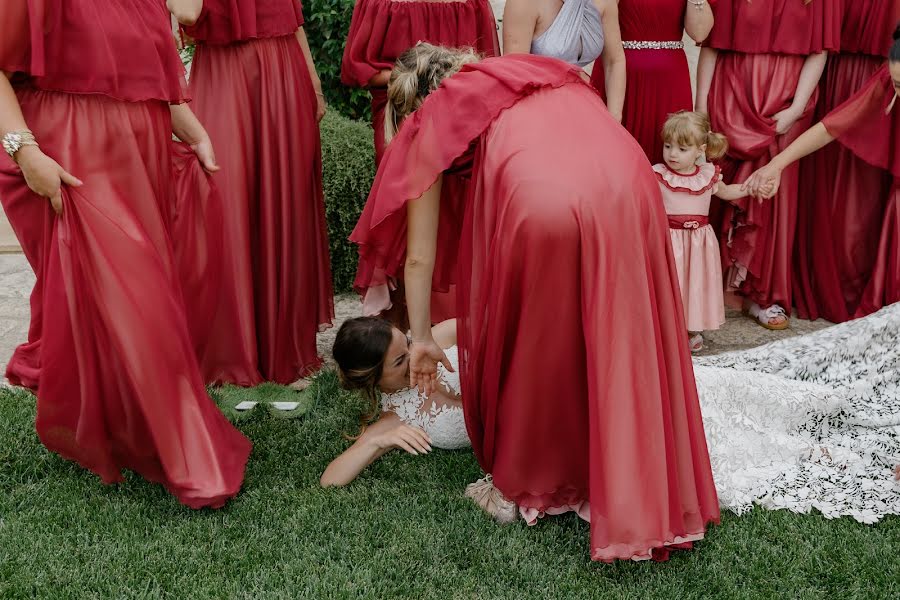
(16, 281)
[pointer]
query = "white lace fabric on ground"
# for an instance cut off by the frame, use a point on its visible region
(444, 424)
(808, 422)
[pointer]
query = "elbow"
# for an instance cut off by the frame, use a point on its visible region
(419, 263)
(699, 34)
(186, 16)
(330, 480)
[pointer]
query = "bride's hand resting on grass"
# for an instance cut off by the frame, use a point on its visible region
(405, 437)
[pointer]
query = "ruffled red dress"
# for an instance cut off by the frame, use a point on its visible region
(762, 48)
(381, 30)
(868, 125)
(658, 80)
(843, 199)
(109, 351)
(577, 381)
(253, 91)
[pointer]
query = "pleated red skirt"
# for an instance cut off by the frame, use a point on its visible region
(257, 102)
(109, 352)
(840, 209)
(758, 237)
(577, 380)
(659, 84)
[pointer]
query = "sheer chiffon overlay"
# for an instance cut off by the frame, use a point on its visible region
(109, 351)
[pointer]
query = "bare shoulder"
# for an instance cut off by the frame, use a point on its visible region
(522, 7)
(445, 333)
(607, 7)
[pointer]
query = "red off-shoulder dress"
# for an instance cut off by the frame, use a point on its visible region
(843, 198)
(762, 47)
(109, 351)
(252, 89)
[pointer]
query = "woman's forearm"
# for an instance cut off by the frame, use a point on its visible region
(11, 118)
(185, 125)
(421, 250)
(614, 73)
(809, 80)
(706, 68)
(812, 139)
(310, 63)
(185, 12)
(347, 467)
(613, 57)
(698, 21)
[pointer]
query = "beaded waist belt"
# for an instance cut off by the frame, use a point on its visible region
(688, 221)
(653, 45)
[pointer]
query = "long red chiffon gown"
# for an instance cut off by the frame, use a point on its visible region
(381, 30)
(868, 125)
(578, 387)
(762, 49)
(253, 91)
(659, 81)
(843, 198)
(109, 351)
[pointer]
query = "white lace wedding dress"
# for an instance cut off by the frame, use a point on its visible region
(444, 424)
(806, 422)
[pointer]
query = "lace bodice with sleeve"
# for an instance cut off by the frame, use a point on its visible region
(444, 423)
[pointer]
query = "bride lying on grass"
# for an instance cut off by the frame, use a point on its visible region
(802, 423)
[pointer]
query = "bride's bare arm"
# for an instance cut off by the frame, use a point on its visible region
(444, 333)
(387, 433)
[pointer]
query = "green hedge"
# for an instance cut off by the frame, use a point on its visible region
(348, 171)
(327, 23)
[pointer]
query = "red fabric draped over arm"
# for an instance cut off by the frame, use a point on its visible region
(776, 26)
(228, 21)
(864, 125)
(429, 143)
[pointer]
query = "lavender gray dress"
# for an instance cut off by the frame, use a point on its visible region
(575, 36)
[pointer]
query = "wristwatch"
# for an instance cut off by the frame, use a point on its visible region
(16, 140)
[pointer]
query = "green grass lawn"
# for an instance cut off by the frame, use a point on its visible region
(403, 530)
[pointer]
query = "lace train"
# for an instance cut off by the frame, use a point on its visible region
(808, 422)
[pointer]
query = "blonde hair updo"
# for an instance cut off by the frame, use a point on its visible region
(418, 72)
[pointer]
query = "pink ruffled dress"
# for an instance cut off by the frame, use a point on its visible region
(687, 199)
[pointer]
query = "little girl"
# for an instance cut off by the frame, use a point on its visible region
(687, 189)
